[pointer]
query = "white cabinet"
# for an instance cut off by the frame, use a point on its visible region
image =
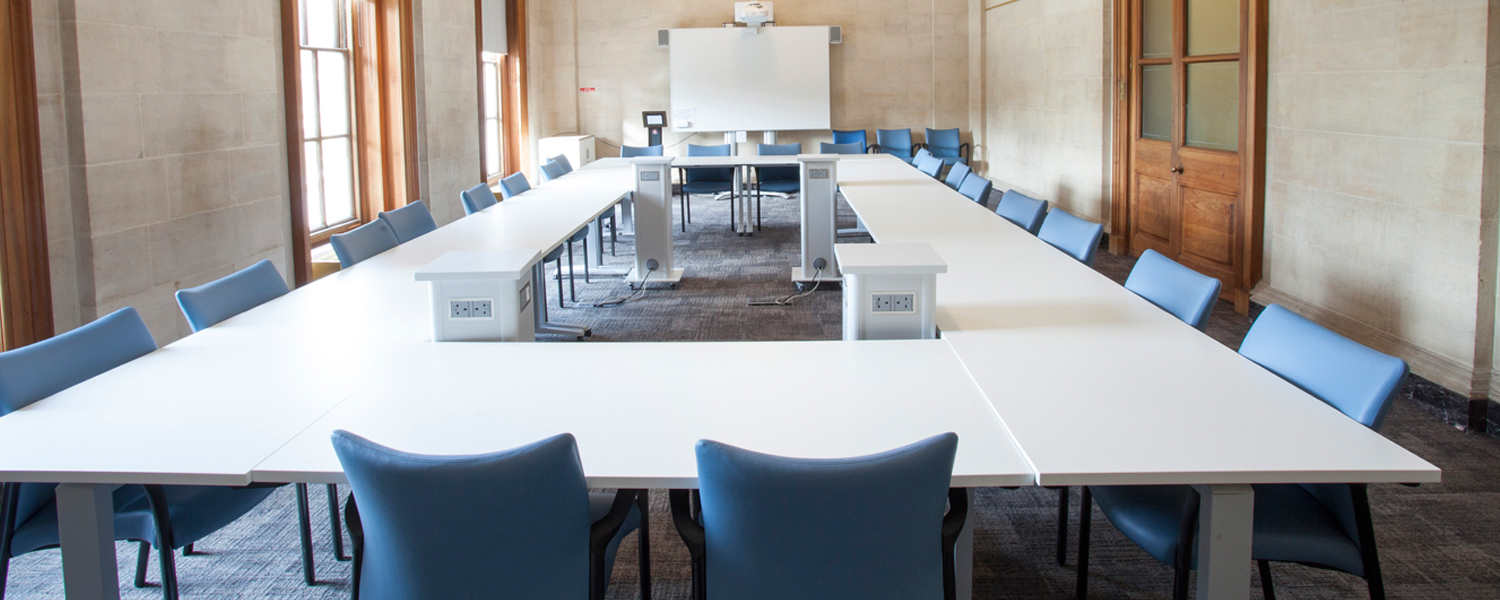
(578, 148)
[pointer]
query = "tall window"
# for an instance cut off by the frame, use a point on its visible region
(494, 158)
(327, 124)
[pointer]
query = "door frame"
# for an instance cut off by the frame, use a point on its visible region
(25, 279)
(1250, 220)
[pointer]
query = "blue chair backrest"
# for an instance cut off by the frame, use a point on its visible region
(921, 153)
(514, 185)
(410, 222)
(1075, 236)
(477, 198)
(895, 141)
(849, 148)
(977, 188)
(780, 173)
(856, 136)
(956, 175)
(32, 373)
(634, 151)
(944, 143)
(551, 170)
(1187, 294)
(928, 164)
(861, 527)
(562, 161)
(709, 174)
(512, 524)
(364, 242)
(208, 304)
(1358, 381)
(1022, 210)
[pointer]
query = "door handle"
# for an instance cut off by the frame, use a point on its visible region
(1177, 170)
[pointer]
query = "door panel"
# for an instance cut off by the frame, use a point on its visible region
(1153, 214)
(1208, 229)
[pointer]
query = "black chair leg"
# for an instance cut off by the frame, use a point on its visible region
(559, 284)
(1365, 525)
(1182, 566)
(586, 262)
(572, 288)
(1085, 519)
(643, 539)
(333, 524)
(304, 528)
(614, 235)
(1062, 526)
(1266, 587)
(156, 496)
(142, 561)
(357, 541)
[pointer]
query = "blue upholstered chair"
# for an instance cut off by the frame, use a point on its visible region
(705, 180)
(850, 148)
(956, 175)
(946, 144)
(1022, 210)
(211, 303)
(976, 188)
(552, 170)
(514, 185)
(786, 180)
(1187, 294)
(518, 523)
(1321, 525)
(855, 136)
(634, 151)
(928, 164)
(363, 242)
(477, 198)
(562, 160)
(167, 517)
(1074, 236)
(410, 222)
(896, 142)
(865, 527)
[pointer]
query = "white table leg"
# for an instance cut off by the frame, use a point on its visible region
(1226, 523)
(963, 555)
(86, 528)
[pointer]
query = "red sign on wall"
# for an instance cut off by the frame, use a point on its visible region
(587, 89)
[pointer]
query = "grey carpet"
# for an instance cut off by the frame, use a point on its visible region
(1438, 541)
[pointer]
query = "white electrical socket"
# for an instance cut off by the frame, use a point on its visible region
(481, 309)
(880, 303)
(459, 309)
(903, 303)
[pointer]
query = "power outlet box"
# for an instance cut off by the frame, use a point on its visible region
(650, 176)
(893, 303)
(473, 308)
(880, 303)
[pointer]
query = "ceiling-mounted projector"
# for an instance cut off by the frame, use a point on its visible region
(754, 14)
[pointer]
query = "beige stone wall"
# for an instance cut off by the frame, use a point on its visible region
(165, 154)
(447, 104)
(903, 63)
(1047, 121)
(1375, 151)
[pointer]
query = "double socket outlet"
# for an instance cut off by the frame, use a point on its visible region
(477, 308)
(893, 303)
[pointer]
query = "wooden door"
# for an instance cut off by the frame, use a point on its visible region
(1189, 141)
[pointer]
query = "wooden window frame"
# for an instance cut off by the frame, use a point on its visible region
(512, 79)
(384, 118)
(25, 280)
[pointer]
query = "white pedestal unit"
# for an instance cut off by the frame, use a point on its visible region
(890, 291)
(653, 221)
(819, 203)
(482, 296)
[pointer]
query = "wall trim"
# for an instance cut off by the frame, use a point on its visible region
(1441, 370)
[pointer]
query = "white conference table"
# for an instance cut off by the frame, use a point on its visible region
(1049, 376)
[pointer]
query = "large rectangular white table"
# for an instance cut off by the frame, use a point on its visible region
(1050, 374)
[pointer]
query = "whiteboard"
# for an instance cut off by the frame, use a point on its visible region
(726, 80)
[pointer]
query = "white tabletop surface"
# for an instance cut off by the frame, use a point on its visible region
(1097, 385)
(817, 400)
(878, 259)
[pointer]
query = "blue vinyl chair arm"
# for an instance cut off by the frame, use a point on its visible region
(873, 149)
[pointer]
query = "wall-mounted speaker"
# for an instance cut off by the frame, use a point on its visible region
(835, 35)
(663, 37)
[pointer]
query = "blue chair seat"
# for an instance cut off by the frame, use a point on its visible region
(784, 186)
(707, 187)
(1291, 525)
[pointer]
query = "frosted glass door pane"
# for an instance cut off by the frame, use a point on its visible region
(1156, 28)
(1213, 105)
(1213, 27)
(1156, 102)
